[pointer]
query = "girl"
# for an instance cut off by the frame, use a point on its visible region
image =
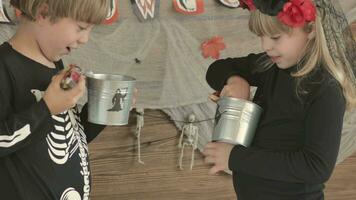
(305, 82)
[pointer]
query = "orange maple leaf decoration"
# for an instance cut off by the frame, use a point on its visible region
(212, 47)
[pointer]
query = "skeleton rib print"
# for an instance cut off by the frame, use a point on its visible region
(66, 138)
(63, 140)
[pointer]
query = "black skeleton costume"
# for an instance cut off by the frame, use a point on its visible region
(42, 156)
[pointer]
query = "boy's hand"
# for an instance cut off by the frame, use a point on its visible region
(59, 100)
(217, 154)
(236, 87)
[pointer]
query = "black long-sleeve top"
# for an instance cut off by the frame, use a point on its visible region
(297, 140)
(42, 156)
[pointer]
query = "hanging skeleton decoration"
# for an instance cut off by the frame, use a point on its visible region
(189, 136)
(113, 14)
(189, 7)
(230, 3)
(145, 9)
(139, 125)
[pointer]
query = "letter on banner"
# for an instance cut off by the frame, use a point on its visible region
(230, 3)
(189, 7)
(4, 17)
(113, 14)
(145, 9)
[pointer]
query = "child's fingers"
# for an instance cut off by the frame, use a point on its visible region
(208, 151)
(225, 91)
(78, 90)
(214, 170)
(235, 90)
(213, 98)
(210, 145)
(209, 160)
(58, 77)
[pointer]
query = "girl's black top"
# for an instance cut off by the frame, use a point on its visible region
(297, 140)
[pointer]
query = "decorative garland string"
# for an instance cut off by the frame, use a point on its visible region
(180, 121)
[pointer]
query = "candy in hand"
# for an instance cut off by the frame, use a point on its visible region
(71, 77)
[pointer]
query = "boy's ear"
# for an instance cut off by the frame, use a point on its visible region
(42, 12)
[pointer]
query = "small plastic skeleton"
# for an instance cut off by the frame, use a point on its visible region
(189, 136)
(139, 125)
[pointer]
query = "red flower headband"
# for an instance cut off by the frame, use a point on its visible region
(295, 13)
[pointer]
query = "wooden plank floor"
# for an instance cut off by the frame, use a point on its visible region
(116, 174)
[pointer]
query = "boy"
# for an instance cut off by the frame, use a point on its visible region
(43, 137)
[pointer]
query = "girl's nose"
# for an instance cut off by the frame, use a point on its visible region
(267, 43)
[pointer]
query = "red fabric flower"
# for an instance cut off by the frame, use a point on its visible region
(212, 47)
(296, 12)
(247, 4)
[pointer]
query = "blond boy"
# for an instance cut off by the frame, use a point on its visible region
(43, 136)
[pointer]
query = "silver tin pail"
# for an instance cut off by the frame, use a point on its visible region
(109, 98)
(236, 121)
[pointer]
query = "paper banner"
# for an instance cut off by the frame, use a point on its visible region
(145, 9)
(113, 14)
(230, 3)
(4, 17)
(189, 7)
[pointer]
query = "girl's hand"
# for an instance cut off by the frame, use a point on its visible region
(217, 154)
(59, 100)
(236, 87)
(215, 96)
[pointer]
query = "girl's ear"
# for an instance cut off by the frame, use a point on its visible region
(311, 30)
(311, 35)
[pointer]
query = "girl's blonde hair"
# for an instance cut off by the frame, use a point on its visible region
(316, 53)
(89, 11)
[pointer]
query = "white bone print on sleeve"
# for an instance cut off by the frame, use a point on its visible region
(19, 135)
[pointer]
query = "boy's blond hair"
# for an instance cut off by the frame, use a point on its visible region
(89, 11)
(316, 52)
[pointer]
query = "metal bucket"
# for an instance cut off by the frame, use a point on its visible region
(109, 98)
(236, 121)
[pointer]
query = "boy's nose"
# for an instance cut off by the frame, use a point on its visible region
(84, 38)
